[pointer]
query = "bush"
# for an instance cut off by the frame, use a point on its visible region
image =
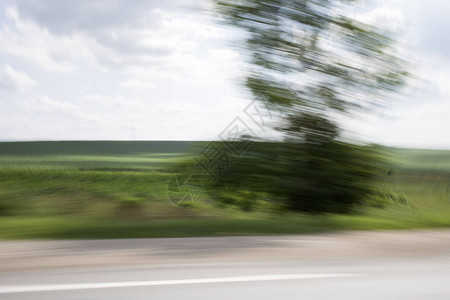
(332, 177)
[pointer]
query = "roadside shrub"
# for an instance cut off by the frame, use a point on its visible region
(331, 177)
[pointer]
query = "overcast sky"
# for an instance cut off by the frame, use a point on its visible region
(156, 70)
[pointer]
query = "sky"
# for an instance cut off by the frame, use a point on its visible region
(162, 70)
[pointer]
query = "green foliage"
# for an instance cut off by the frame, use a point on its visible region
(311, 61)
(128, 179)
(387, 199)
(327, 178)
(67, 196)
(338, 58)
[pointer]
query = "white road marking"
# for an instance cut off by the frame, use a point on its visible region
(103, 285)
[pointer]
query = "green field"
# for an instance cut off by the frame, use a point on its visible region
(119, 190)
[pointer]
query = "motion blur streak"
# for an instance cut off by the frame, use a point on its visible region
(391, 265)
(64, 287)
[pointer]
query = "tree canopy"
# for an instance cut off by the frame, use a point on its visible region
(313, 61)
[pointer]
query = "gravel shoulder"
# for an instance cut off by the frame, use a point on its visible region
(38, 255)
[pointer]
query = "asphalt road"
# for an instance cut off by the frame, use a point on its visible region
(354, 265)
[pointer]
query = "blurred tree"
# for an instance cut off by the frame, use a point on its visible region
(310, 60)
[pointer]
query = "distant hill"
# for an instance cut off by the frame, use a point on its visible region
(421, 160)
(97, 147)
(416, 160)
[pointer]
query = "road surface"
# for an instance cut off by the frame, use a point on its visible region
(352, 265)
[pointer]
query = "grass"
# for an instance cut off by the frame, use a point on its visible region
(76, 227)
(76, 190)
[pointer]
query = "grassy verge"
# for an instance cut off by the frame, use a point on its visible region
(75, 227)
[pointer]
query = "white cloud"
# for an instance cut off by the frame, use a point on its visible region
(216, 67)
(46, 106)
(390, 17)
(118, 103)
(173, 49)
(150, 65)
(35, 44)
(420, 125)
(136, 84)
(13, 80)
(439, 77)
